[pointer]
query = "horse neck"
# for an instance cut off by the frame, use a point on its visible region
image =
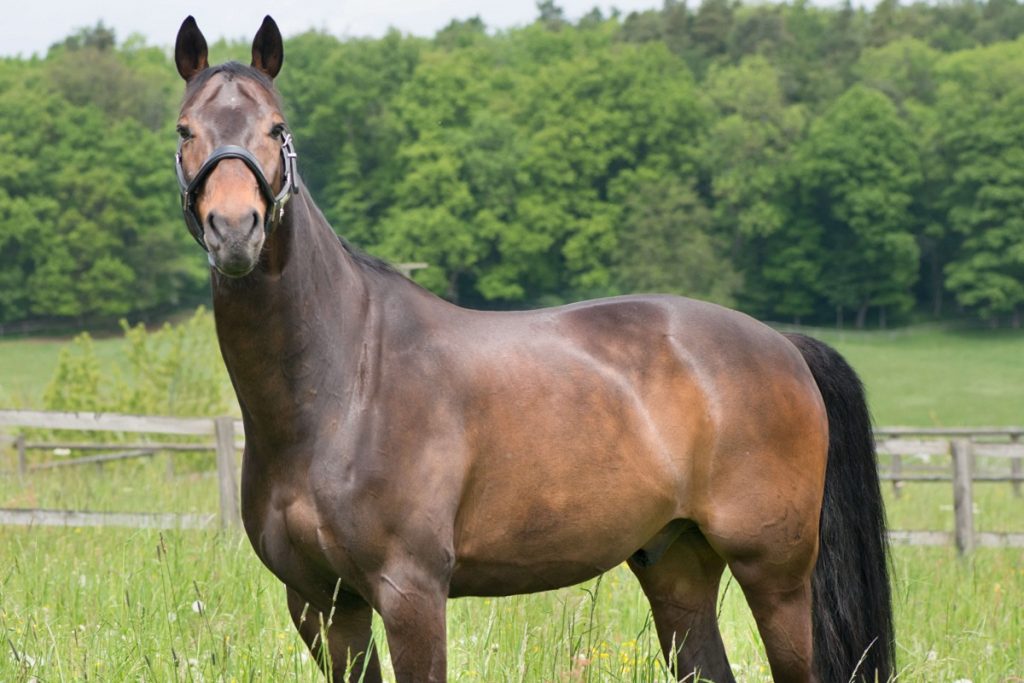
(291, 332)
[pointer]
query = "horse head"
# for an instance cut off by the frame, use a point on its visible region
(235, 161)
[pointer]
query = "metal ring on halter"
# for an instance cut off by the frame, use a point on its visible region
(275, 203)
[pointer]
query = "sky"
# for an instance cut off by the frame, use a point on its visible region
(36, 24)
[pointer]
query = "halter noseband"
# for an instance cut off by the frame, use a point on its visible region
(275, 212)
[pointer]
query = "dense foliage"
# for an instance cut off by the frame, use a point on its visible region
(173, 370)
(799, 162)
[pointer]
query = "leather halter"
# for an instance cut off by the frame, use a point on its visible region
(276, 203)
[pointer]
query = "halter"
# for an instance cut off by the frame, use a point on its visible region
(289, 185)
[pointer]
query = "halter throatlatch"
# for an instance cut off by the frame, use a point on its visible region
(275, 203)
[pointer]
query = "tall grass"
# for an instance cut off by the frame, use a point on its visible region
(116, 605)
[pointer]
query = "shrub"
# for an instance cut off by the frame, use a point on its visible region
(175, 370)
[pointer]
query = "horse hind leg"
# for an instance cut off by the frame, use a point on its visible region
(774, 570)
(781, 605)
(682, 587)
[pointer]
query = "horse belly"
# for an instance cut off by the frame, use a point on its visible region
(548, 542)
(570, 497)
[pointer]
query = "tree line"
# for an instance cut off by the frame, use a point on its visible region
(801, 163)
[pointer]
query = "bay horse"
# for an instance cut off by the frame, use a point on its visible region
(400, 450)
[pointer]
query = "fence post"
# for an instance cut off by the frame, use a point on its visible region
(230, 516)
(897, 472)
(1015, 467)
(22, 460)
(963, 503)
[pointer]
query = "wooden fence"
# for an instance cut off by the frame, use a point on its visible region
(217, 436)
(960, 448)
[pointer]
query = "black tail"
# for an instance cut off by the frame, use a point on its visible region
(853, 632)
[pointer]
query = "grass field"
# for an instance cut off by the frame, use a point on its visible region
(26, 366)
(116, 605)
(120, 605)
(931, 378)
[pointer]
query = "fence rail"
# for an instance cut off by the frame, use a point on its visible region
(79, 518)
(224, 446)
(962, 445)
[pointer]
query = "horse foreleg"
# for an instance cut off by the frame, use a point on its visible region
(412, 607)
(348, 635)
(682, 587)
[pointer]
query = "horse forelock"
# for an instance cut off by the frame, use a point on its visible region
(230, 71)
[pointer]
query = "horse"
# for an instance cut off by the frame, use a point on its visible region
(401, 450)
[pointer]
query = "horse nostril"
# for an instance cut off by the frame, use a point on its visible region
(224, 227)
(211, 223)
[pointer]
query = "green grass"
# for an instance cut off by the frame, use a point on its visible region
(26, 366)
(131, 486)
(118, 605)
(932, 378)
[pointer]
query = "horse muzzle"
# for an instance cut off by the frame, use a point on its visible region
(234, 241)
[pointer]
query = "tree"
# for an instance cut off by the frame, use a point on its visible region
(905, 70)
(511, 152)
(828, 155)
(340, 98)
(461, 34)
(88, 224)
(858, 172)
(979, 102)
(551, 15)
(666, 241)
(748, 153)
(99, 37)
(711, 27)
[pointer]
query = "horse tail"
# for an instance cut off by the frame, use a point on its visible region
(852, 612)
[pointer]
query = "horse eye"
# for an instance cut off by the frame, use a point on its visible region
(184, 132)
(278, 130)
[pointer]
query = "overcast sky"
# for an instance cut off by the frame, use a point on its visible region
(31, 26)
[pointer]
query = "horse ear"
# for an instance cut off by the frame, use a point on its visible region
(190, 49)
(268, 48)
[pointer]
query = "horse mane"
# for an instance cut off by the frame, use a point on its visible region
(365, 259)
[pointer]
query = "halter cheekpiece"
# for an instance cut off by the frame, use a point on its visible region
(276, 203)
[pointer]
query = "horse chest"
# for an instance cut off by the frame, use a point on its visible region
(291, 538)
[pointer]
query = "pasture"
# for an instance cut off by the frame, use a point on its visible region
(111, 604)
(26, 366)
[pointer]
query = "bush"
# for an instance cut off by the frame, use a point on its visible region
(176, 370)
